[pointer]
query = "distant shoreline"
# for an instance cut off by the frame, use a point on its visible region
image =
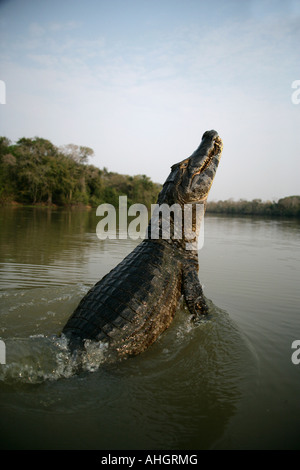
(285, 207)
(288, 207)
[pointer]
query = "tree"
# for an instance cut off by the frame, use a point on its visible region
(289, 206)
(79, 154)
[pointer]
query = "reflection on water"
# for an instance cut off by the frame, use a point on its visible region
(227, 382)
(41, 247)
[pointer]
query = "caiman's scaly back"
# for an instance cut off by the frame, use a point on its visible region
(136, 301)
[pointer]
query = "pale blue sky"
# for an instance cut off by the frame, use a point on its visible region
(140, 81)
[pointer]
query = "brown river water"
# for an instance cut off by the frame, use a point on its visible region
(228, 382)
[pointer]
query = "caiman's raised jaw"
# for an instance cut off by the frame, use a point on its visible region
(201, 167)
(216, 150)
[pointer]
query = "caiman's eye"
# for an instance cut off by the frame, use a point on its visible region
(184, 164)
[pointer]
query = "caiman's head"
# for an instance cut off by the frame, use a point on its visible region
(191, 179)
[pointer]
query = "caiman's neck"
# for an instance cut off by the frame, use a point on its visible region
(178, 224)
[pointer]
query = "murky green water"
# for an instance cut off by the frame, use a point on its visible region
(228, 382)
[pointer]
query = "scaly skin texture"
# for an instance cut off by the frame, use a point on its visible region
(136, 301)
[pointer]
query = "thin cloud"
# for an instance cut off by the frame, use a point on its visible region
(67, 26)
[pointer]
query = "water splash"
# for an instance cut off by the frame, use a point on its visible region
(38, 355)
(38, 359)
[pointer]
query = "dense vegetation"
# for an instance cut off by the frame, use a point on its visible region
(34, 171)
(288, 207)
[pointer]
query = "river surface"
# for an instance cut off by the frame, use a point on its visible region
(228, 382)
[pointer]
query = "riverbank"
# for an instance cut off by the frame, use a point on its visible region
(286, 207)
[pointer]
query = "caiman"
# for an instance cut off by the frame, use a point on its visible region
(136, 301)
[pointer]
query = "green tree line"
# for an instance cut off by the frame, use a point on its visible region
(34, 171)
(287, 207)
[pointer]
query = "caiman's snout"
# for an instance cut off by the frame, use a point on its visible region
(201, 167)
(210, 146)
(210, 135)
